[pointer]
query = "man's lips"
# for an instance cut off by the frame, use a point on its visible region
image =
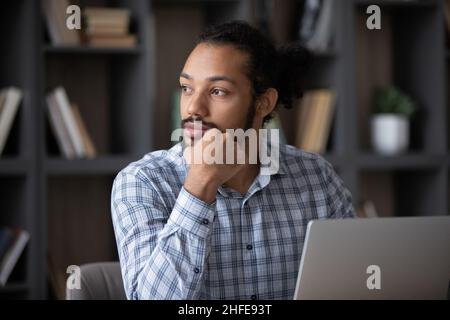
(195, 130)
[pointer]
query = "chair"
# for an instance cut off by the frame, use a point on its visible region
(99, 281)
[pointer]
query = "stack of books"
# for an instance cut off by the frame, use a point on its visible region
(314, 120)
(12, 244)
(68, 126)
(9, 104)
(108, 27)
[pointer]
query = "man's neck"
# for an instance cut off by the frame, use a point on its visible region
(242, 181)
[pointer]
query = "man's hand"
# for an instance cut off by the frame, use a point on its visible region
(205, 176)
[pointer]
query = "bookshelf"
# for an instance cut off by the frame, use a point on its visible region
(125, 98)
(64, 204)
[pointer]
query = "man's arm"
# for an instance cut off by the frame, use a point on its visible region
(160, 258)
(339, 198)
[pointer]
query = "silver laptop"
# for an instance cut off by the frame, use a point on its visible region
(379, 258)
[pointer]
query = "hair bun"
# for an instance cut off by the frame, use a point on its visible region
(293, 62)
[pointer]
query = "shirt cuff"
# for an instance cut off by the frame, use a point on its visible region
(193, 214)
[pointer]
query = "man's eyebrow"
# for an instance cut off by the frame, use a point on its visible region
(185, 75)
(211, 79)
(220, 78)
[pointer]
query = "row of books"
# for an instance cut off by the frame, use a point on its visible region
(100, 27)
(315, 112)
(12, 244)
(9, 104)
(68, 126)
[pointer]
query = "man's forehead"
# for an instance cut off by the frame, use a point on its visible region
(208, 60)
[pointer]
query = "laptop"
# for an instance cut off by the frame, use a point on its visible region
(376, 258)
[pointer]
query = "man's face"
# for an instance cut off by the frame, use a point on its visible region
(215, 90)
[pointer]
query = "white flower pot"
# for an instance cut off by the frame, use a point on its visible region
(390, 133)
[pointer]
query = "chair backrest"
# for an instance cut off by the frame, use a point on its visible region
(98, 281)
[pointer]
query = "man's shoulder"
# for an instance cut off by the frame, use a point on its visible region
(169, 160)
(297, 160)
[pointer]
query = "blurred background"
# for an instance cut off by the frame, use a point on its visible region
(76, 106)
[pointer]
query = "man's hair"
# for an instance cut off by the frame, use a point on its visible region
(267, 67)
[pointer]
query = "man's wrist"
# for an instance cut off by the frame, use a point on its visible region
(202, 188)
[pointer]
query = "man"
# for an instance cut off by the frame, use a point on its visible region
(189, 230)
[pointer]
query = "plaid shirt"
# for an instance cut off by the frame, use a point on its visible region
(172, 245)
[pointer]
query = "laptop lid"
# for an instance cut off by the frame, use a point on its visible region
(380, 258)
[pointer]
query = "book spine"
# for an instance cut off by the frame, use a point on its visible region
(68, 118)
(11, 105)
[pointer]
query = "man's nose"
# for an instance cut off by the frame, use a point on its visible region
(198, 105)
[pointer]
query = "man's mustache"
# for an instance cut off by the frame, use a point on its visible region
(210, 125)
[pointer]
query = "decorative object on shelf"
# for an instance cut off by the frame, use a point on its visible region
(390, 121)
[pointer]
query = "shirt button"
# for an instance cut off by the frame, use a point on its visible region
(196, 270)
(205, 221)
(249, 247)
(254, 297)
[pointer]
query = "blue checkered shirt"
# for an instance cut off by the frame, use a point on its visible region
(172, 245)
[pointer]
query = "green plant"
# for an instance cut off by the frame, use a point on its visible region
(392, 100)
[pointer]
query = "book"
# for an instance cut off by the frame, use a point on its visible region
(55, 16)
(367, 210)
(89, 147)
(325, 109)
(60, 129)
(56, 278)
(314, 120)
(318, 24)
(92, 30)
(63, 104)
(9, 104)
(104, 12)
(13, 242)
(127, 41)
(106, 22)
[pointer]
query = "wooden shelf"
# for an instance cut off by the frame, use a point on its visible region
(97, 166)
(14, 287)
(406, 161)
(90, 50)
(398, 3)
(13, 166)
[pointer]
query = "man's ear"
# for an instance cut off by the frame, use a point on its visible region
(267, 102)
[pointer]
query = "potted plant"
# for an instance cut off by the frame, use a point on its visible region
(390, 121)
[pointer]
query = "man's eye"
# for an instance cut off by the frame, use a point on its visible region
(186, 89)
(218, 92)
